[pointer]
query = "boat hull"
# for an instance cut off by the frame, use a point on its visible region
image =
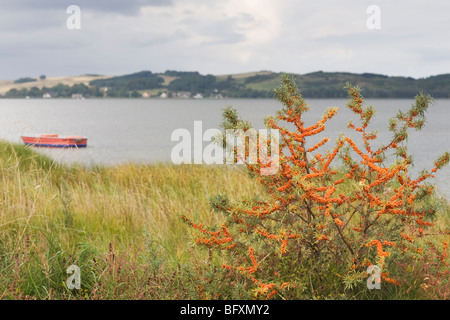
(56, 142)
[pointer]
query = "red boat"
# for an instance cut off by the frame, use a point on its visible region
(55, 141)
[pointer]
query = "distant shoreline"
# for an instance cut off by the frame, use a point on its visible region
(193, 85)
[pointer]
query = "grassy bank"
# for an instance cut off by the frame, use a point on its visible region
(53, 216)
(121, 225)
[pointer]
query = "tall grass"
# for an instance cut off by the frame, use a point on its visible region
(53, 216)
(121, 225)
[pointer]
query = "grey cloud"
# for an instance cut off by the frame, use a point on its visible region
(157, 39)
(125, 7)
(434, 54)
(365, 38)
(20, 16)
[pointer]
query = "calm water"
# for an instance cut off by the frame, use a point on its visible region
(124, 130)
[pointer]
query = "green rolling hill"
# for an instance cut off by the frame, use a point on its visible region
(245, 85)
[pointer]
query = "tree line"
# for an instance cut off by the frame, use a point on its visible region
(313, 85)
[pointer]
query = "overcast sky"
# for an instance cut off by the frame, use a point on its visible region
(223, 36)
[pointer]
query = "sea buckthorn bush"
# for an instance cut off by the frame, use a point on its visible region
(327, 217)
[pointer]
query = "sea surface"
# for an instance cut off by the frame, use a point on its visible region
(139, 130)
